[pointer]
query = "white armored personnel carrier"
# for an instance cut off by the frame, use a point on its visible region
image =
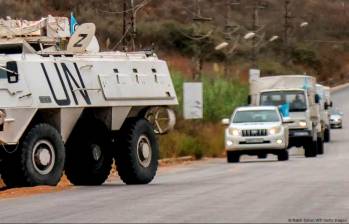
(65, 106)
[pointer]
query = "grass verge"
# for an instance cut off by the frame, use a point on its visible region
(203, 138)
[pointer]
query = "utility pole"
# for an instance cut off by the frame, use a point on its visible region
(254, 29)
(133, 26)
(227, 36)
(129, 30)
(287, 24)
(196, 59)
(257, 5)
(228, 32)
(198, 20)
(197, 8)
(124, 26)
(227, 24)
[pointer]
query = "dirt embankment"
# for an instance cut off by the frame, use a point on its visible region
(165, 166)
(25, 191)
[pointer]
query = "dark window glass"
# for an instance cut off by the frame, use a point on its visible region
(295, 99)
(254, 116)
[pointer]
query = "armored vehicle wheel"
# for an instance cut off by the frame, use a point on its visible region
(320, 146)
(283, 155)
(89, 156)
(233, 157)
(310, 149)
(138, 151)
(327, 135)
(38, 160)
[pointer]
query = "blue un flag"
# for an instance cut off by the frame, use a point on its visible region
(284, 110)
(73, 24)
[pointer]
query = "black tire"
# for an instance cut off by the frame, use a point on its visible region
(89, 156)
(262, 156)
(233, 157)
(25, 167)
(10, 171)
(310, 149)
(134, 165)
(320, 146)
(327, 135)
(283, 155)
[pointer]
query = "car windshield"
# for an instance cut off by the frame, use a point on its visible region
(254, 116)
(295, 99)
(335, 112)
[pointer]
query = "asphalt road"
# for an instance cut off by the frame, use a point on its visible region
(307, 190)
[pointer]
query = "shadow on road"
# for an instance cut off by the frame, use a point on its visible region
(259, 161)
(4, 188)
(107, 185)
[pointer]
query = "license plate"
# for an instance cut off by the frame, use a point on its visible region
(300, 134)
(255, 140)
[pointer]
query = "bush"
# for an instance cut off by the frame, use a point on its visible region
(221, 96)
(306, 57)
(193, 138)
(201, 138)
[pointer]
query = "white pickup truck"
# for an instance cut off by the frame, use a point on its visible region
(256, 131)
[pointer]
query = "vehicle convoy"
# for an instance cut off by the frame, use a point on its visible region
(66, 106)
(256, 131)
(324, 105)
(298, 92)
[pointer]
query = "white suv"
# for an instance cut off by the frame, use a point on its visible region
(256, 131)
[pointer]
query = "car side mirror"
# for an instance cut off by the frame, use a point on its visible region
(225, 121)
(317, 98)
(249, 100)
(326, 106)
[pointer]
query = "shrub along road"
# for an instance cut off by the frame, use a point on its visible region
(211, 191)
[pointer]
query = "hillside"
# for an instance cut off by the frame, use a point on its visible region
(319, 49)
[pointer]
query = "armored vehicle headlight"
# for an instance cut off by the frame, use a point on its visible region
(302, 124)
(274, 130)
(234, 132)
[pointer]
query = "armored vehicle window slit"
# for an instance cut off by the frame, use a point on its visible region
(12, 74)
(136, 72)
(155, 75)
(116, 71)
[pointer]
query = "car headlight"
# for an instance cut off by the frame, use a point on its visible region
(302, 124)
(234, 132)
(274, 130)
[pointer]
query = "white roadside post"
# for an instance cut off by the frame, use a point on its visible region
(193, 100)
(254, 74)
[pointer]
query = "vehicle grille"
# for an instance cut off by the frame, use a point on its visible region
(254, 132)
